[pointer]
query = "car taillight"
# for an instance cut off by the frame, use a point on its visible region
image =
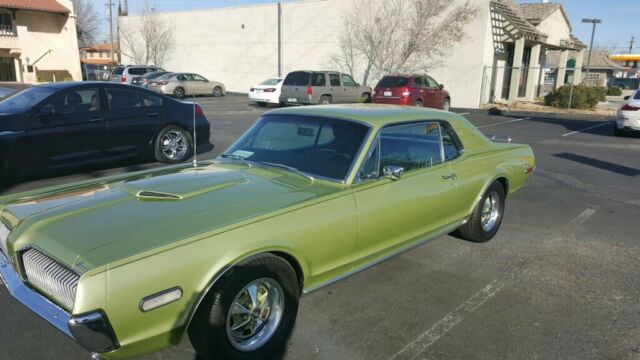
(406, 92)
(162, 82)
(123, 79)
(273, 90)
(628, 107)
(199, 110)
(309, 90)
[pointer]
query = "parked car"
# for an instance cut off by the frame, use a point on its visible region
(186, 84)
(322, 87)
(143, 80)
(628, 116)
(413, 90)
(93, 72)
(626, 83)
(58, 125)
(267, 92)
(305, 197)
(124, 74)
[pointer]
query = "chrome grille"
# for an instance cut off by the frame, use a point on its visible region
(4, 235)
(51, 278)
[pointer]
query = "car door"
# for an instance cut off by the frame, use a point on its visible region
(74, 132)
(201, 84)
(130, 124)
(337, 92)
(394, 213)
(420, 87)
(350, 88)
(435, 93)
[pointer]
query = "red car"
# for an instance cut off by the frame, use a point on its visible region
(414, 90)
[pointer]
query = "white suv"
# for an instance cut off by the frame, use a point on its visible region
(125, 73)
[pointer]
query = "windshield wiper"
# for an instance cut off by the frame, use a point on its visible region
(290, 168)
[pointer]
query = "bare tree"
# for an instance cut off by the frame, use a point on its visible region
(391, 36)
(87, 22)
(146, 38)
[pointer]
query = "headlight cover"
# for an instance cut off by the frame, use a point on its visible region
(50, 277)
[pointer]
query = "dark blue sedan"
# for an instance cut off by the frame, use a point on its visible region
(60, 125)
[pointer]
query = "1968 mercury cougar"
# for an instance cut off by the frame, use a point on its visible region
(222, 251)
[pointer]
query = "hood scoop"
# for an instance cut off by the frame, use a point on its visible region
(157, 195)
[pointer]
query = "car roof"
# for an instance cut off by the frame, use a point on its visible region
(376, 115)
(71, 84)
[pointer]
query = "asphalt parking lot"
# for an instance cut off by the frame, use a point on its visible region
(559, 281)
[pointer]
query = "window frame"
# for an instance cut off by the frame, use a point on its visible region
(112, 88)
(339, 79)
(54, 98)
(342, 76)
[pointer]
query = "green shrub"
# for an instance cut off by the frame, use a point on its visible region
(583, 97)
(614, 91)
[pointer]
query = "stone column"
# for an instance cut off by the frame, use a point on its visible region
(577, 74)
(515, 71)
(562, 69)
(534, 72)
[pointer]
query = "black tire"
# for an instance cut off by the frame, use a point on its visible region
(217, 91)
(261, 103)
(618, 132)
(366, 98)
(178, 92)
(208, 329)
(419, 103)
(161, 156)
(473, 230)
(446, 104)
(325, 100)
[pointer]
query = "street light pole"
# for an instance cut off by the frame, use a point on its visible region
(593, 33)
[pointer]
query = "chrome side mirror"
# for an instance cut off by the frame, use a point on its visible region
(393, 172)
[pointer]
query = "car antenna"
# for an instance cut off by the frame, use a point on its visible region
(195, 141)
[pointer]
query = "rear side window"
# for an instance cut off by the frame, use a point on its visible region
(137, 71)
(118, 70)
(451, 150)
(334, 79)
(149, 99)
(319, 79)
(393, 81)
(299, 78)
(419, 82)
(123, 98)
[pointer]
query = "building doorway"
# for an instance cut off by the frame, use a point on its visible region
(7, 69)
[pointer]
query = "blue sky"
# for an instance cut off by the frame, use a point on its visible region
(619, 17)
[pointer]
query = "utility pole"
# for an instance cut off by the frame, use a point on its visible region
(280, 38)
(111, 29)
(633, 41)
(593, 33)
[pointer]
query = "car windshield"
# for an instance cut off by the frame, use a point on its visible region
(271, 82)
(118, 70)
(25, 99)
(154, 75)
(637, 96)
(166, 76)
(393, 81)
(320, 147)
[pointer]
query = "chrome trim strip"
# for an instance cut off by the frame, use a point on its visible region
(3, 133)
(445, 230)
(37, 303)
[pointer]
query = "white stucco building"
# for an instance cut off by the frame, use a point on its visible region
(38, 39)
(500, 58)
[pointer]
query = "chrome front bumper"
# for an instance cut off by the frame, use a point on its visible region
(92, 331)
(47, 310)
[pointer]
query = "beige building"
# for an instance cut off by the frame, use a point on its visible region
(99, 54)
(38, 41)
(500, 58)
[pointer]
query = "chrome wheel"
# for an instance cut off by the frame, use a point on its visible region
(255, 314)
(178, 92)
(446, 105)
(174, 144)
(217, 91)
(490, 212)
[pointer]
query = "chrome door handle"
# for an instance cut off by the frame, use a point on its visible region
(96, 119)
(450, 176)
(152, 114)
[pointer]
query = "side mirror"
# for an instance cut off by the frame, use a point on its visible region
(627, 97)
(393, 172)
(441, 86)
(47, 111)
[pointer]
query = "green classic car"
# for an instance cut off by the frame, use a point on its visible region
(223, 250)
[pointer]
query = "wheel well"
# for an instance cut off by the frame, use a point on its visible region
(505, 184)
(294, 264)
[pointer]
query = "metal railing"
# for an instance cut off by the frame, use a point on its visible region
(7, 30)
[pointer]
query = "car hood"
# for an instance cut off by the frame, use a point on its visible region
(89, 227)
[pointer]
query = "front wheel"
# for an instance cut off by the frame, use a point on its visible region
(217, 91)
(178, 92)
(446, 105)
(173, 145)
(484, 222)
(250, 313)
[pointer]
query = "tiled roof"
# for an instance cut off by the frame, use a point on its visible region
(599, 59)
(51, 6)
(536, 13)
(514, 15)
(98, 47)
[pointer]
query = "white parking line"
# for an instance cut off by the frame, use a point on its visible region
(502, 122)
(580, 219)
(585, 129)
(463, 113)
(442, 327)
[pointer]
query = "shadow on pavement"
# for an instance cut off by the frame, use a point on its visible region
(604, 165)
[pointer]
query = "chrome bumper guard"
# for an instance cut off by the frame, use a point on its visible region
(91, 331)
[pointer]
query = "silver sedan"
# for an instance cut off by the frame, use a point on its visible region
(186, 84)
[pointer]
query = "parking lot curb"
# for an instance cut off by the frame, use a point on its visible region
(533, 114)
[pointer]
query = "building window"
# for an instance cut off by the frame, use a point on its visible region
(549, 78)
(6, 26)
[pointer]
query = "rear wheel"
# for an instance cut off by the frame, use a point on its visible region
(419, 103)
(173, 145)
(484, 222)
(249, 313)
(366, 98)
(217, 91)
(262, 103)
(178, 92)
(618, 132)
(325, 100)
